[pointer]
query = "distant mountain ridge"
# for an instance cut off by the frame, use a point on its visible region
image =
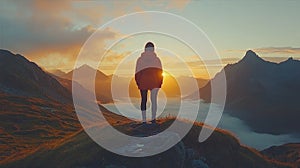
(83, 70)
(57, 72)
(103, 84)
(262, 93)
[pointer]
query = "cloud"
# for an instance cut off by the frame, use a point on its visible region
(39, 26)
(236, 126)
(270, 50)
(52, 33)
(248, 137)
(178, 4)
(45, 32)
(113, 57)
(278, 50)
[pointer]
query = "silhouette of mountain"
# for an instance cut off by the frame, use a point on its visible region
(263, 94)
(173, 87)
(34, 108)
(20, 77)
(220, 150)
(102, 82)
(84, 92)
(57, 72)
(185, 84)
(83, 70)
(289, 153)
(170, 87)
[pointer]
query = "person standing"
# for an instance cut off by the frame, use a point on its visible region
(148, 76)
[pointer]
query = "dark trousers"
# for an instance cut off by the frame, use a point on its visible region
(144, 99)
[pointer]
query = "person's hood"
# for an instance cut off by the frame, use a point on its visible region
(148, 55)
(148, 59)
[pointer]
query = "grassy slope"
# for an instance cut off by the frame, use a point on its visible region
(27, 123)
(220, 150)
(286, 153)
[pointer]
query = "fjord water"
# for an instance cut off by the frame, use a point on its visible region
(235, 125)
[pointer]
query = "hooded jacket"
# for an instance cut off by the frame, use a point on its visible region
(148, 71)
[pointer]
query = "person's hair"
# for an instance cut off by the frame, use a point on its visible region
(149, 44)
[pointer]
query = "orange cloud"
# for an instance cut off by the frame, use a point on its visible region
(270, 50)
(178, 4)
(68, 56)
(52, 33)
(278, 50)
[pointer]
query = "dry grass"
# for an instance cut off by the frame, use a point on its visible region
(27, 123)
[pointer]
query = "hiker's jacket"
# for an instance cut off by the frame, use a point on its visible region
(148, 72)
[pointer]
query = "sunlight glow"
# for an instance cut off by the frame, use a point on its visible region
(164, 74)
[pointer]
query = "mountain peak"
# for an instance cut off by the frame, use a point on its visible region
(290, 61)
(251, 57)
(86, 67)
(250, 52)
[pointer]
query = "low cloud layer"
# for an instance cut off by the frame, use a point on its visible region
(242, 131)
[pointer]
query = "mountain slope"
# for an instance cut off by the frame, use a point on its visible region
(57, 72)
(220, 150)
(262, 93)
(284, 153)
(27, 123)
(34, 108)
(20, 77)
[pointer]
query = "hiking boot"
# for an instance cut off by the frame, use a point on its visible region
(153, 121)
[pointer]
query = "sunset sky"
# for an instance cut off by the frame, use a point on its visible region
(51, 33)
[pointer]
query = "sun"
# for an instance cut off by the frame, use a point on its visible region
(164, 74)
